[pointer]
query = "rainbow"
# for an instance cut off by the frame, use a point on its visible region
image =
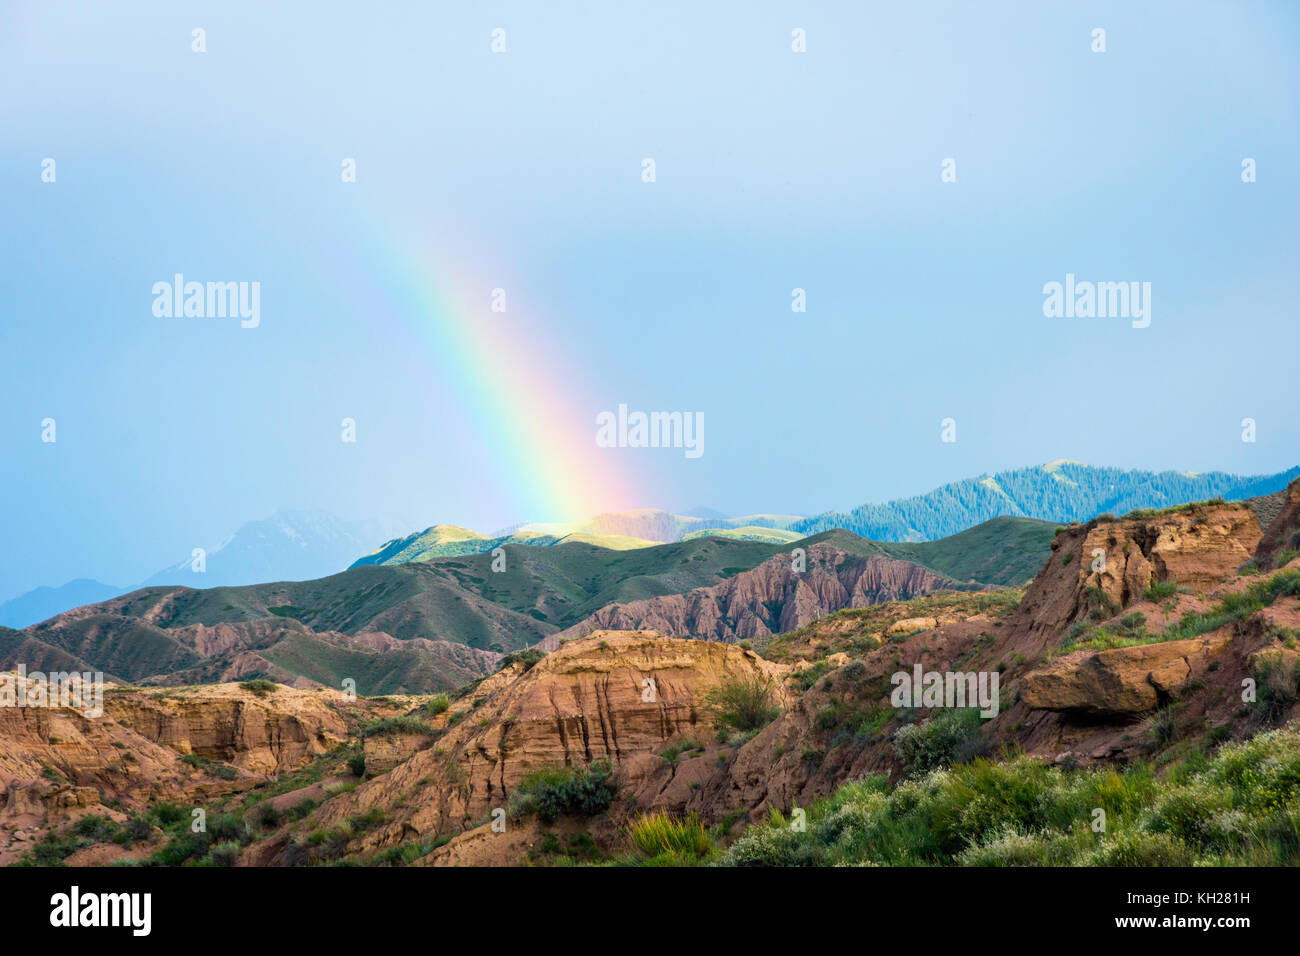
(511, 385)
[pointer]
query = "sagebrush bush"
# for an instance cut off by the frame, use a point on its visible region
(1132, 848)
(224, 854)
(937, 741)
(530, 657)
(551, 794)
(1010, 848)
(774, 844)
(1278, 685)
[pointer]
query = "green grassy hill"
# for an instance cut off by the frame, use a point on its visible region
(445, 541)
(405, 600)
(564, 584)
(1007, 551)
(1004, 551)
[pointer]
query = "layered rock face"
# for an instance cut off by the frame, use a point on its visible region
(54, 762)
(1099, 568)
(224, 722)
(1283, 534)
(57, 764)
(615, 696)
(1197, 548)
(770, 599)
(1103, 570)
(1123, 681)
(385, 751)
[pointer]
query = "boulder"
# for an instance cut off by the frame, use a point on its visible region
(1123, 681)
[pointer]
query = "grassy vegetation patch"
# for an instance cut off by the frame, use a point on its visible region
(664, 840)
(260, 687)
(1240, 807)
(394, 726)
(744, 703)
(1130, 630)
(567, 791)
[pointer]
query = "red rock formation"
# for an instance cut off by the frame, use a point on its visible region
(772, 598)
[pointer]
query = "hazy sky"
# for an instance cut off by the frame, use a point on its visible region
(523, 170)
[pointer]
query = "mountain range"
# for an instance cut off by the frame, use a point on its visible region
(303, 545)
(1059, 491)
(618, 531)
(289, 545)
(431, 625)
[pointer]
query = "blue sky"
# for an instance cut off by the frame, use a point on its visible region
(775, 170)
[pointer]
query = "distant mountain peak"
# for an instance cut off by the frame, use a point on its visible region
(287, 545)
(1055, 465)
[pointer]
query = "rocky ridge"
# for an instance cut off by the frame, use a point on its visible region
(772, 598)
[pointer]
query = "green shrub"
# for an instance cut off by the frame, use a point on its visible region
(1130, 848)
(675, 750)
(182, 847)
(1277, 680)
(266, 815)
(97, 829)
(529, 656)
(810, 675)
(228, 827)
(166, 814)
(744, 703)
(1097, 604)
(1188, 812)
(569, 791)
(1240, 806)
(392, 726)
(260, 687)
(1131, 625)
(774, 844)
(224, 854)
(138, 829)
(1017, 849)
(405, 853)
(1160, 590)
(937, 742)
(1160, 728)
